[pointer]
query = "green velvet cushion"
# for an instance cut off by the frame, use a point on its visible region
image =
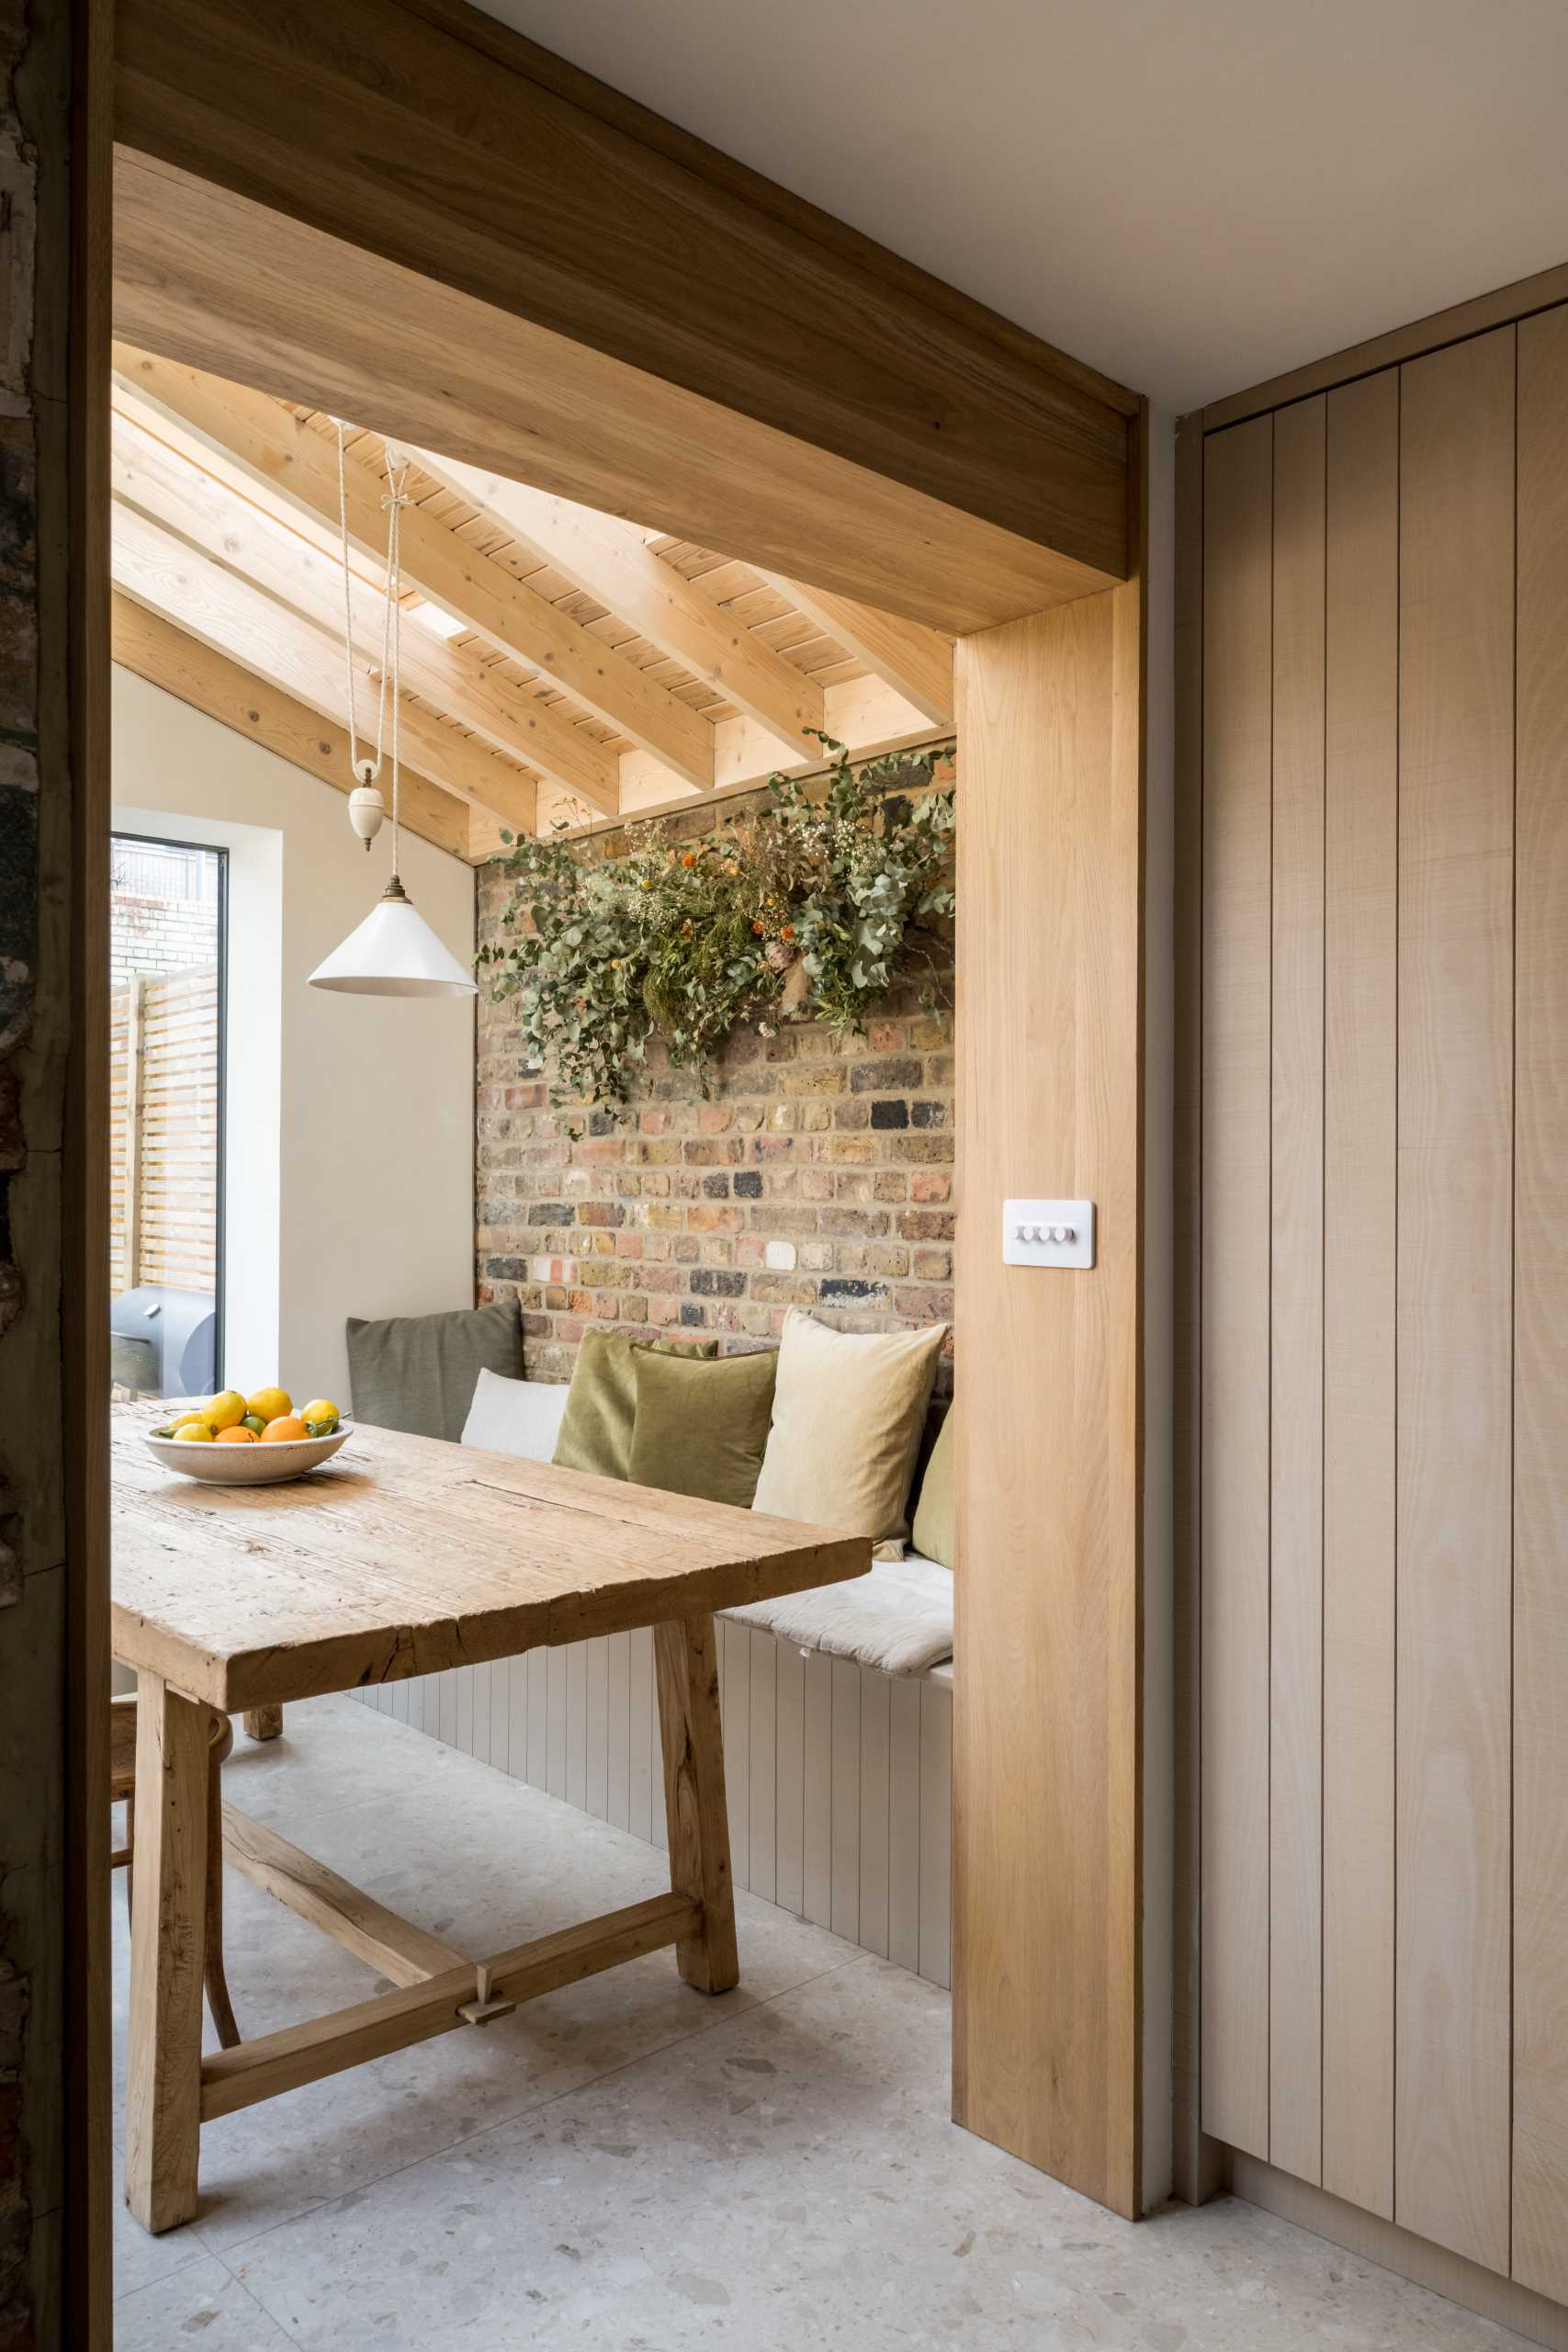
(419, 1371)
(936, 1513)
(702, 1428)
(596, 1428)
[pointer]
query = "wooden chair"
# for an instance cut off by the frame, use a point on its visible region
(122, 1789)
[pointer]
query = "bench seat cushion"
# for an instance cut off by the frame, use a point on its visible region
(897, 1618)
(522, 1417)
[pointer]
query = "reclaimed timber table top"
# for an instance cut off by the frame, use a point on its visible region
(406, 1555)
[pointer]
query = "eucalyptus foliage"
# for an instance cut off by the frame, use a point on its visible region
(809, 907)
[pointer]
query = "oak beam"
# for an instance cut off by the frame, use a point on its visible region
(248, 627)
(212, 277)
(270, 454)
(182, 500)
(612, 561)
(567, 212)
(917, 662)
(160, 652)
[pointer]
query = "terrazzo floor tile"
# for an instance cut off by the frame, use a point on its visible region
(791, 2180)
(628, 2167)
(203, 2303)
(481, 1859)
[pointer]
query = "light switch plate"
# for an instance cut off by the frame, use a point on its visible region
(1048, 1233)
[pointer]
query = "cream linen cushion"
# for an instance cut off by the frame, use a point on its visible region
(849, 1408)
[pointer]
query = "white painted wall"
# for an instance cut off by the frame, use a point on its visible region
(350, 1130)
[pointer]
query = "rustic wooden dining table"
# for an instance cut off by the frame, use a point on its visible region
(402, 1555)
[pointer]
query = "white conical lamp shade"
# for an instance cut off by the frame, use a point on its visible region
(393, 953)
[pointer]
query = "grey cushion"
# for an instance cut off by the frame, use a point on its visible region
(419, 1371)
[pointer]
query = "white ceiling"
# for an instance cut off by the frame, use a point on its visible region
(1191, 194)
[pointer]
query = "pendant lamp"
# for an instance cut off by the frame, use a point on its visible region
(393, 952)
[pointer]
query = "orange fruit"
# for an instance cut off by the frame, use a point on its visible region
(279, 1432)
(238, 1435)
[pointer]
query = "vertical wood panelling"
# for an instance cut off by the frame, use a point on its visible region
(762, 1769)
(817, 1795)
(1296, 1512)
(1540, 1293)
(1234, 1409)
(618, 1765)
(574, 1657)
(789, 1688)
(1360, 1036)
(936, 1806)
(903, 1824)
(734, 1650)
(640, 1734)
(1454, 1299)
(845, 1918)
(875, 1729)
(597, 1695)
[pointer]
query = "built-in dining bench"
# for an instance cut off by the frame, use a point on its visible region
(839, 1774)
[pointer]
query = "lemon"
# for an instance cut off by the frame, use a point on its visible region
(270, 1404)
(224, 1409)
(196, 1433)
(321, 1416)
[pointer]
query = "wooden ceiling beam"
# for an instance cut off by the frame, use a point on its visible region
(474, 248)
(183, 500)
(916, 662)
(612, 561)
(165, 656)
(254, 439)
(243, 622)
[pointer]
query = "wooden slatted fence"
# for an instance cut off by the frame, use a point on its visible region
(164, 1115)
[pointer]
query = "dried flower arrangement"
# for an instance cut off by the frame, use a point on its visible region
(812, 906)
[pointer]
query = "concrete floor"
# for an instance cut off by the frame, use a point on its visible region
(628, 2165)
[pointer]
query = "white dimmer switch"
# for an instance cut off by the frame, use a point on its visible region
(1048, 1233)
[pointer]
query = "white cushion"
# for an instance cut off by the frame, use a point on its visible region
(898, 1619)
(522, 1417)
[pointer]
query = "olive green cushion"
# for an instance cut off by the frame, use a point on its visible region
(936, 1513)
(702, 1428)
(419, 1371)
(596, 1428)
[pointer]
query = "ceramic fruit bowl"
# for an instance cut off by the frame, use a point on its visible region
(247, 1465)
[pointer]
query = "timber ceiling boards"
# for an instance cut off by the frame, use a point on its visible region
(578, 664)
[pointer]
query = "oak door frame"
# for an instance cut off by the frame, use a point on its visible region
(845, 260)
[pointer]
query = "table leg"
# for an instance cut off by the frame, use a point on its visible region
(264, 1722)
(162, 2129)
(686, 1668)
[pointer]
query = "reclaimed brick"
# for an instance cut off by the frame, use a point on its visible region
(837, 1144)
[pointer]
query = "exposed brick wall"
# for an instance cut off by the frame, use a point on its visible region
(820, 1174)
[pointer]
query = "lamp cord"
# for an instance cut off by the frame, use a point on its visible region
(394, 501)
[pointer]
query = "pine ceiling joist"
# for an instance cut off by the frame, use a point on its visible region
(612, 561)
(182, 666)
(916, 661)
(242, 621)
(186, 502)
(274, 448)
